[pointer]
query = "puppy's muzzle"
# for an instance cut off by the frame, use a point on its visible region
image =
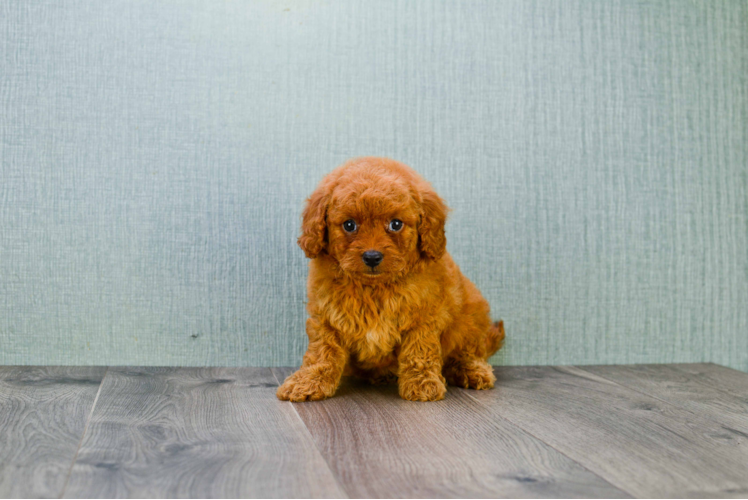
(372, 258)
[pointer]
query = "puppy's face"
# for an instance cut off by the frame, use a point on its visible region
(372, 229)
(376, 218)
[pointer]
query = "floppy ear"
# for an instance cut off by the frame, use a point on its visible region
(313, 239)
(431, 238)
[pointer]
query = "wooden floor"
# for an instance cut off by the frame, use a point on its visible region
(602, 431)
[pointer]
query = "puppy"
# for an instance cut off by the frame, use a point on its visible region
(386, 301)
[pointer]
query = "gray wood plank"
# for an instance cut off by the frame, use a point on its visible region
(43, 414)
(725, 379)
(196, 432)
(641, 444)
(667, 383)
(379, 445)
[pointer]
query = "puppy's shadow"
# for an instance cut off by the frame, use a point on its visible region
(355, 385)
(354, 389)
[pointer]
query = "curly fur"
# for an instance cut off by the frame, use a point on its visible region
(415, 318)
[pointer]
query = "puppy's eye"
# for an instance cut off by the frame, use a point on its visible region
(349, 226)
(395, 225)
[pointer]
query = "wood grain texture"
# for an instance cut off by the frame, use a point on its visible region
(677, 387)
(196, 432)
(640, 444)
(43, 414)
(722, 378)
(379, 445)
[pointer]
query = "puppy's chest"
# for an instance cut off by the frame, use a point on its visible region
(371, 327)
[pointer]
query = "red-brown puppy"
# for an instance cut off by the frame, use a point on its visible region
(385, 299)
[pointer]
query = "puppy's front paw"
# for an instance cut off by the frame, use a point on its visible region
(304, 387)
(428, 388)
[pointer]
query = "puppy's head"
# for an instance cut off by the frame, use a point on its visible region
(376, 218)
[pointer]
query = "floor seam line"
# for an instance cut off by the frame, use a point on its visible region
(512, 422)
(85, 430)
(314, 442)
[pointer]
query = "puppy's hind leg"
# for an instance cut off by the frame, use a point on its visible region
(467, 366)
(468, 371)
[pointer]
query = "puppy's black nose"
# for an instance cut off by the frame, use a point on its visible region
(372, 258)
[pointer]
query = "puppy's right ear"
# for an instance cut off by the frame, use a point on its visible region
(313, 239)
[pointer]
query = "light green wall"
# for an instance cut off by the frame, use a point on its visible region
(154, 157)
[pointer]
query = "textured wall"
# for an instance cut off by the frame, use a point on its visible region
(155, 157)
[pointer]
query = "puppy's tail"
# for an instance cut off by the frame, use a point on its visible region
(495, 338)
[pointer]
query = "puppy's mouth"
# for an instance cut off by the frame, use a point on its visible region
(373, 271)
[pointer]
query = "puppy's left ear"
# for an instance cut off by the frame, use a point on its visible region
(313, 239)
(431, 238)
